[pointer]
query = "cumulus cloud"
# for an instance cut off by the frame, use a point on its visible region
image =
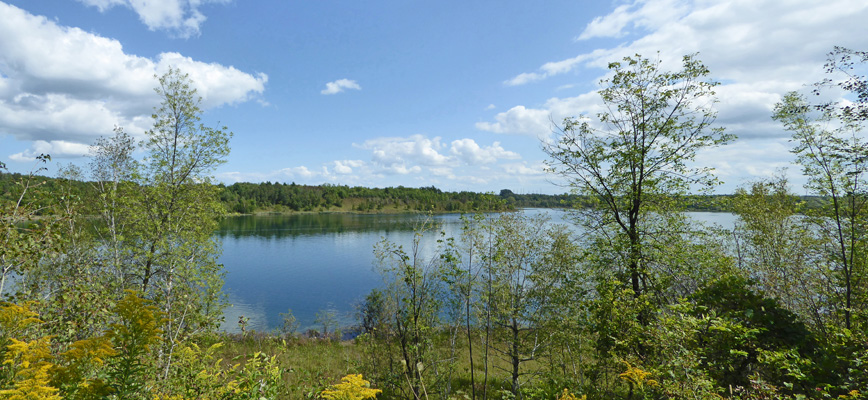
(396, 151)
(540, 122)
(417, 153)
(462, 164)
(56, 148)
(740, 40)
(339, 86)
(520, 120)
(236, 176)
(524, 169)
(471, 153)
(61, 83)
(345, 167)
(759, 49)
(549, 69)
(744, 160)
(180, 17)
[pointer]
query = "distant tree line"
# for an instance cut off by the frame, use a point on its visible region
(251, 197)
(247, 198)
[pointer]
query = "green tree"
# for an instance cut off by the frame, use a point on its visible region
(22, 248)
(159, 214)
(833, 157)
(413, 294)
(777, 247)
(637, 154)
(832, 152)
(531, 255)
(113, 171)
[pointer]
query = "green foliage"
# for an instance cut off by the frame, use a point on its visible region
(413, 292)
(328, 319)
(133, 337)
(776, 247)
(645, 304)
(290, 324)
(247, 198)
(372, 313)
(634, 159)
(23, 239)
(831, 151)
(742, 326)
(259, 378)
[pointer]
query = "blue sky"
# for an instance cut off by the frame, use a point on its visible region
(455, 94)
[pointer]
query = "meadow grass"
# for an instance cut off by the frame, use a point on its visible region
(311, 365)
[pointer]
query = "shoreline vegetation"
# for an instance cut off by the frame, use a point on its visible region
(281, 198)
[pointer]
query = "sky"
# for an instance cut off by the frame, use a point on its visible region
(455, 94)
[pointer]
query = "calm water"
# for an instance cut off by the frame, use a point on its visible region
(312, 262)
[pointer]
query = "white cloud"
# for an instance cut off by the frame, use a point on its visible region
(294, 172)
(56, 148)
(759, 49)
(217, 84)
(442, 171)
(62, 83)
(345, 167)
(745, 160)
(548, 69)
(468, 151)
(520, 120)
(523, 78)
(753, 40)
(180, 17)
(420, 154)
(339, 85)
(417, 149)
(539, 123)
(646, 14)
(524, 169)
(235, 176)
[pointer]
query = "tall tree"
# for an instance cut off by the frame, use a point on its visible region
(180, 207)
(160, 213)
(635, 157)
(834, 156)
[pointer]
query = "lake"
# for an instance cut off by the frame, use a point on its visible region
(313, 262)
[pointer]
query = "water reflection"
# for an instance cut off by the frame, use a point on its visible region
(309, 262)
(279, 226)
(312, 262)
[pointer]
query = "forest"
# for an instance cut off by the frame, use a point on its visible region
(275, 197)
(111, 287)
